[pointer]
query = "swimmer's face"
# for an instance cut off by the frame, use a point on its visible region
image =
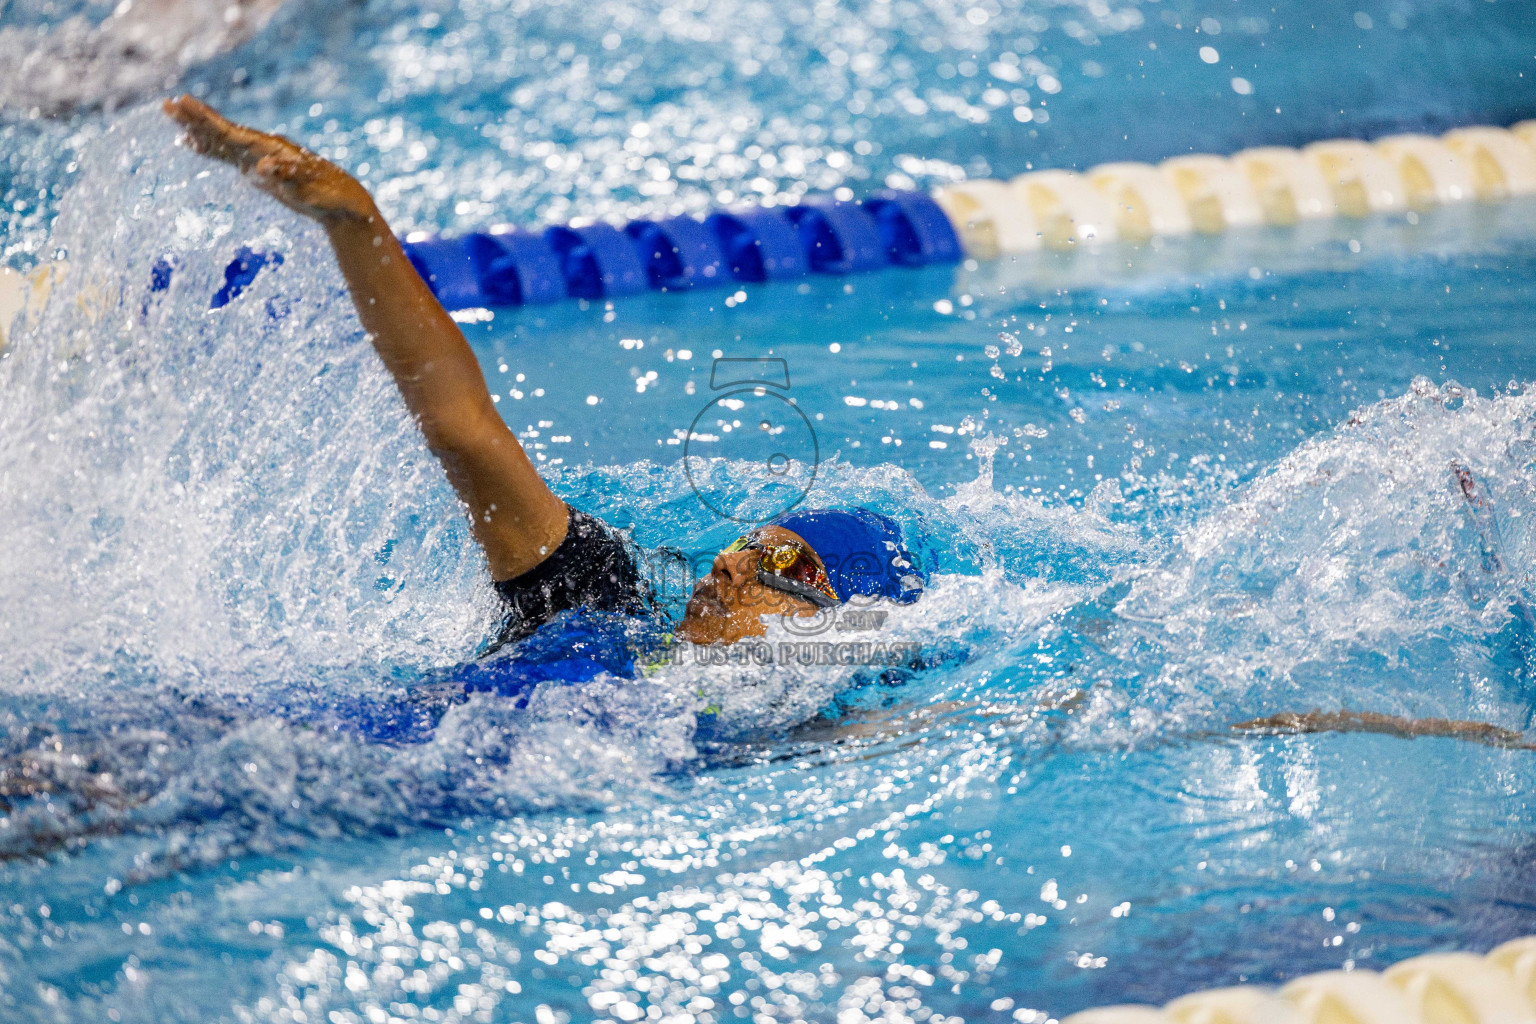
(729, 604)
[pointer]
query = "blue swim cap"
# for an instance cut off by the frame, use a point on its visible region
(862, 550)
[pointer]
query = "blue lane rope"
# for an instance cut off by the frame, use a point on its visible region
(1049, 209)
(820, 235)
(511, 267)
(839, 237)
(679, 253)
(759, 244)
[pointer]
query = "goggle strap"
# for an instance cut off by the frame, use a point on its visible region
(796, 588)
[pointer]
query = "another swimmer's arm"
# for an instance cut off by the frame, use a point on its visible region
(1291, 722)
(902, 721)
(514, 515)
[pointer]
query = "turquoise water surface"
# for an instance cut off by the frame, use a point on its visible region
(1160, 493)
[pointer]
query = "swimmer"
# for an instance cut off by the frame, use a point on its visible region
(544, 556)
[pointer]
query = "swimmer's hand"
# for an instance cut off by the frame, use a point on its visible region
(292, 175)
(514, 515)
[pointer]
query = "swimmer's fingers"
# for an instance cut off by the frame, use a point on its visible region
(208, 133)
(211, 134)
(289, 173)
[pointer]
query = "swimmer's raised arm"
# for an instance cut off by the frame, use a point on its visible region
(514, 515)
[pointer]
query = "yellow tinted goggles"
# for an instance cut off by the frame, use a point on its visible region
(790, 568)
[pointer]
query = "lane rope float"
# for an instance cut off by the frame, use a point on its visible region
(984, 219)
(1437, 988)
(981, 219)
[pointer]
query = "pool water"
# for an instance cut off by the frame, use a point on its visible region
(1159, 493)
